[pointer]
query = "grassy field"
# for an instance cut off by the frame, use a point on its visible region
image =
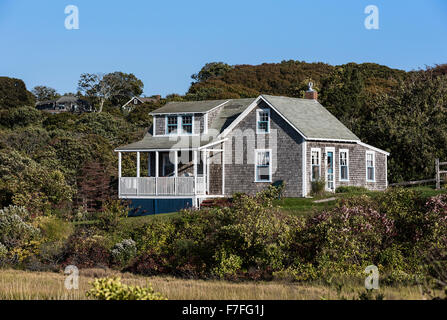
(307, 206)
(24, 285)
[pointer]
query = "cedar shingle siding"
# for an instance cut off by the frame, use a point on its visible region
(286, 160)
(357, 165)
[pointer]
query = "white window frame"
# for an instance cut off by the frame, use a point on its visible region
(312, 150)
(334, 169)
(347, 164)
(374, 165)
(191, 124)
(258, 119)
(167, 126)
(257, 151)
(180, 125)
(135, 101)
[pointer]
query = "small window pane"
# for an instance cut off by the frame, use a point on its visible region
(172, 124)
(263, 166)
(187, 124)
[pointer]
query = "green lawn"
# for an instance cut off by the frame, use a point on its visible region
(307, 206)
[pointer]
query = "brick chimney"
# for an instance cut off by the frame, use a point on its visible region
(311, 93)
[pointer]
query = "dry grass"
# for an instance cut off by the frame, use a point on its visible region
(45, 285)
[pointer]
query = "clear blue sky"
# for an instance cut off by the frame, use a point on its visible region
(164, 42)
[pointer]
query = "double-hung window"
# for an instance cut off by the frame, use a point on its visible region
(263, 121)
(263, 166)
(172, 124)
(179, 124)
(187, 124)
(370, 166)
(344, 165)
(316, 164)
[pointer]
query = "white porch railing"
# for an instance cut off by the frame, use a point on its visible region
(161, 186)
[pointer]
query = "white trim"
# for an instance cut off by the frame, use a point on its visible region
(366, 165)
(211, 144)
(386, 170)
(333, 140)
(138, 164)
(239, 118)
(205, 123)
(270, 165)
(258, 111)
(223, 168)
(304, 167)
(319, 162)
(334, 170)
(152, 150)
(154, 127)
(179, 131)
(149, 164)
(339, 164)
(372, 148)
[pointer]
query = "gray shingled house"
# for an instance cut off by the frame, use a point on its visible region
(208, 149)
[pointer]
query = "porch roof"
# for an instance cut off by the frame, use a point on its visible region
(150, 142)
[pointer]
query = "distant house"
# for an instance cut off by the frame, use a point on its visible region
(129, 105)
(64, 104)
(208, 149)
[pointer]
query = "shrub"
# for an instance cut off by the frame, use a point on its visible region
(54, 229)
(111, 215)
(318, 187)
(15, 231)
(113, 289)
(86, 250)
(350, 189)
(123, 252)
(227, 264)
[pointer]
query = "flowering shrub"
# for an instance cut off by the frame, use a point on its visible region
(113, 289)
(85, 250)
(123, 252)
(15, 231)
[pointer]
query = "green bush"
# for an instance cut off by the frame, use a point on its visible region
(15, 230)
(111, 215)
(227, 264)
(318, 187)
(123, 252)
(350, 189)
(113, 289)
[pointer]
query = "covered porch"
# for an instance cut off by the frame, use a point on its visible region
(173, 173)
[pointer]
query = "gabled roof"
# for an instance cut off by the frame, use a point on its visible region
(189, 106)
(308, 117)
(313, 120)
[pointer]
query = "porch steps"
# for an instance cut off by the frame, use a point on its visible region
(214, 202)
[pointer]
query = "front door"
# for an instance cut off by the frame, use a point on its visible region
(330, 171)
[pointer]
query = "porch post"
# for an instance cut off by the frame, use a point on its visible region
(195, 170)
(175, 163)
(138, 164)
(148, 164)
(204, 172)
(119, 164)
(175, 171)
(156, 172)
(119, 173)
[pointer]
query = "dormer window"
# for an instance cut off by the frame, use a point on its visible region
(263, 121)
(179, 124)
(187, 124)
(172, 124)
